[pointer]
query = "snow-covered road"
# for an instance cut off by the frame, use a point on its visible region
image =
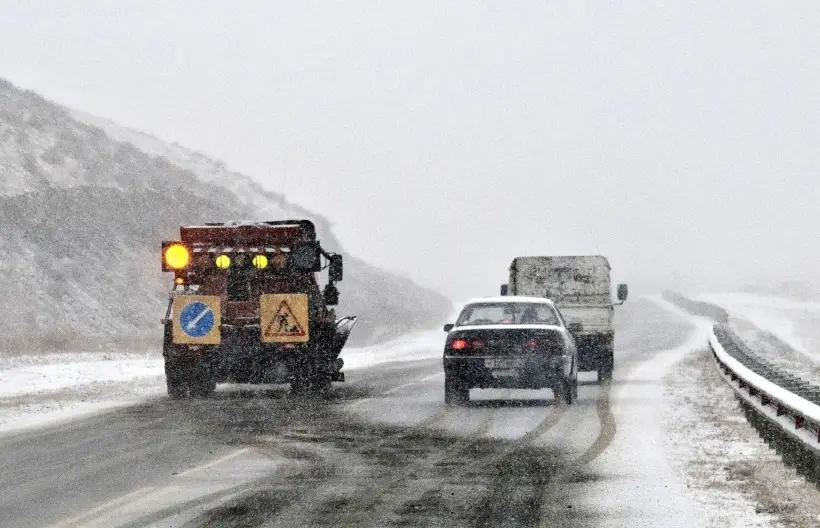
(40, 390)
(661, 447)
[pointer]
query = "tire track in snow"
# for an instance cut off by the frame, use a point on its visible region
(374, 507)
(500, 507)
(315, 500)
(565, 473)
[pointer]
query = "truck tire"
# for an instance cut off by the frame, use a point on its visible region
(456, 392)
(605, 367)
(174, 369)
(201, 380)
(190, 377)
(175, 379)
(310, 386)
(564, 392)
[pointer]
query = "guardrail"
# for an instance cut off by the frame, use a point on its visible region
(704, 309)
(783, 408)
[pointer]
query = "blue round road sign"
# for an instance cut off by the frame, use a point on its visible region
(196, 319)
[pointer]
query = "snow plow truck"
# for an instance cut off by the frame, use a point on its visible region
(246, 307)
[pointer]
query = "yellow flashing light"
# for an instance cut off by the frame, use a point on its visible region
(223, 262)
(179, 280)
(260, 262)
(177, 256)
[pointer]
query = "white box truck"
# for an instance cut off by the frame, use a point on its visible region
(580, 288)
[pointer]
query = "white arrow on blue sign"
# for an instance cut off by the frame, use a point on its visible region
(196, 319)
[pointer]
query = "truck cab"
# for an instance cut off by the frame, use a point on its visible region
(246, 307)
(581, 289)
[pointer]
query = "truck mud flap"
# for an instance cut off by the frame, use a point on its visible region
(343, 328)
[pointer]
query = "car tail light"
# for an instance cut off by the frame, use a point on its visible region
(531, 345)
(459, 344)
(477, 345)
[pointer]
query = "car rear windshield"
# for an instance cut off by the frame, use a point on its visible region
(507, 313)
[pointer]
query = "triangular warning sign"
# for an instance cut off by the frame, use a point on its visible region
(284, 323)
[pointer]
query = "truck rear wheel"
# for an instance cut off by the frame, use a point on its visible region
(175, 380)
(190, 377)
(456, 392)
(564, 392)
(308, 380)
(605, 367)
(201, 381)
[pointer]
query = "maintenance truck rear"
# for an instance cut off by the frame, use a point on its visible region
(246, 307)
(580, 288)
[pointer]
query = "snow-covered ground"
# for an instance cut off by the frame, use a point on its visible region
(730, 472)
(38, 390)
(787, 331)
(797, 323)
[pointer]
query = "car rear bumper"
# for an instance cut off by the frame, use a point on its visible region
(535, 372)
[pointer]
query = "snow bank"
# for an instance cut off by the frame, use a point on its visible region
(36, 391)
(796, 323)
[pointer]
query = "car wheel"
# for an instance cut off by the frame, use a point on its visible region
(456, 392)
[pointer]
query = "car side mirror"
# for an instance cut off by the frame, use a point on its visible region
(336, 270)
(504, 289)
(448, 327)
(623, 292)
(331, 295)
(575, 327)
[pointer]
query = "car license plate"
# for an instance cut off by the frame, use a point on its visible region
(504, 363)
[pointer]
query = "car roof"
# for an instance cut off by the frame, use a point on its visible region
(511, 299)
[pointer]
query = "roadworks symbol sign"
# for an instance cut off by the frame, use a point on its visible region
(284, 318)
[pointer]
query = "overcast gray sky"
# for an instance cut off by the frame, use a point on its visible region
(678, 138)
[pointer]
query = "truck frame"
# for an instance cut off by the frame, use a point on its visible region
(246, 307)
(580, 288)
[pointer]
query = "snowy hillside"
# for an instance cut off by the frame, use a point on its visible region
(83, 212)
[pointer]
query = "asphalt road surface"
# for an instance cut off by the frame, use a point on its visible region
(383, 451)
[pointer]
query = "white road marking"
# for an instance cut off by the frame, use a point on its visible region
(110, 505)
(394, 389)
(214, 462)
(198, 318)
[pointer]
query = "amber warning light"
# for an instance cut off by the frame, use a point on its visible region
(175, 256)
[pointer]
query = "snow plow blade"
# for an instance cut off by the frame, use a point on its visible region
(343, 328)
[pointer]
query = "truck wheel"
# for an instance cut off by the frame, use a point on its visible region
(456, 392)
(175, 379)
(605, 368)
(201, 380)
(298, 385)
(320, 386)
(563, 392)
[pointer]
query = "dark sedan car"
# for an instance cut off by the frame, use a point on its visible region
(511, 343)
